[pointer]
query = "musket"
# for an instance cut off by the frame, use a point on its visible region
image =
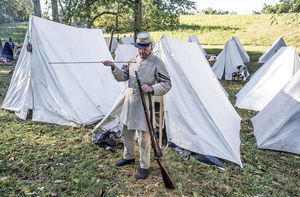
(96, 62)
(167, 180)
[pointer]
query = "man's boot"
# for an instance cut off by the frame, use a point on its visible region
(124, 162)
(143, 173)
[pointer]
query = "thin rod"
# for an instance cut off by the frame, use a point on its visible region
(87, 62)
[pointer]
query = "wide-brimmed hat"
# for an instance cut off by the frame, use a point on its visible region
(143, 40)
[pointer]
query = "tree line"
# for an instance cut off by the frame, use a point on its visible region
(211, 11)
(284, 6)
(111, 15)
(15, 10)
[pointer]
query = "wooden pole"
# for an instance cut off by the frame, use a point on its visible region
(161, 106)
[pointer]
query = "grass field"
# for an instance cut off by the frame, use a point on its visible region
(38, 159)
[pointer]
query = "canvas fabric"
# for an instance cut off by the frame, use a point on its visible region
(244, 55)
(194, 39)
(114, 43)
(268, 80)
(272, 50)
(66, 94)
(126, 40)
(276, 127)
(227, 61)
(125, 52)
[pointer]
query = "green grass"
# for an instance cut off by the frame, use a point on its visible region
(252, 30)
(50, 160)
(16, 31)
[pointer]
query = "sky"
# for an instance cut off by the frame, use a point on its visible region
(239, 6)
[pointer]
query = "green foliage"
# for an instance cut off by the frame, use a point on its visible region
(285, 6)
(211, 11)
(15, 10)
(156, 13)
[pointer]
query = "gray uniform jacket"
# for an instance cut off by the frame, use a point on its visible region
(151, 71)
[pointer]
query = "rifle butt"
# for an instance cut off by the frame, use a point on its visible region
(166, 177)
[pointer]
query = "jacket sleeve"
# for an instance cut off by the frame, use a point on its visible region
(163, 84)
(121, 74)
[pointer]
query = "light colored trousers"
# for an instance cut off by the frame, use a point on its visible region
(128, 137)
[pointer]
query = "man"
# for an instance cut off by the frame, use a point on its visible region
(8, 49)
(155, 79)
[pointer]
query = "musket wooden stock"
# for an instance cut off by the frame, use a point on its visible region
(167, 180)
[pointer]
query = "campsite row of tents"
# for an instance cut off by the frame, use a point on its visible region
(60, 86)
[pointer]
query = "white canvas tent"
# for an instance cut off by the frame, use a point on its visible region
(66, 94)
(198, 115)
(194, 39)
(114, 43)
(277, 126)
(126, 40)
(272, 50)
(269, 79)
(245, 57)
(124, 52)
(228, 61)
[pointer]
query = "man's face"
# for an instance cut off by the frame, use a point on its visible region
(143, 53)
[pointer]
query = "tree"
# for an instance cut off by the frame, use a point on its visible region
(254, 12)
(210, 11)
(15, 10)
(54, 10)
(284, 6)
(135, 15)
(37, 7)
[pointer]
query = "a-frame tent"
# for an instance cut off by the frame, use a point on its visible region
(114, 43)
(125, 52)
(228, 61)
(244, 55)
(198, 115)
(56, 90)
(126, 40)
(269, 79)
(272, 50)
(194, 39)
(277, 126)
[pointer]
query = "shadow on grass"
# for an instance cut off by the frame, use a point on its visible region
(215, 51)
(255, 55)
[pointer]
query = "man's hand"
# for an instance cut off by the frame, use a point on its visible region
(147, 88)
(108, 63)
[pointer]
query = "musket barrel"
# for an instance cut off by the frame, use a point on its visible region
(166, 178)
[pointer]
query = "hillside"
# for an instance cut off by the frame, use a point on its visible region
(252, 30)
